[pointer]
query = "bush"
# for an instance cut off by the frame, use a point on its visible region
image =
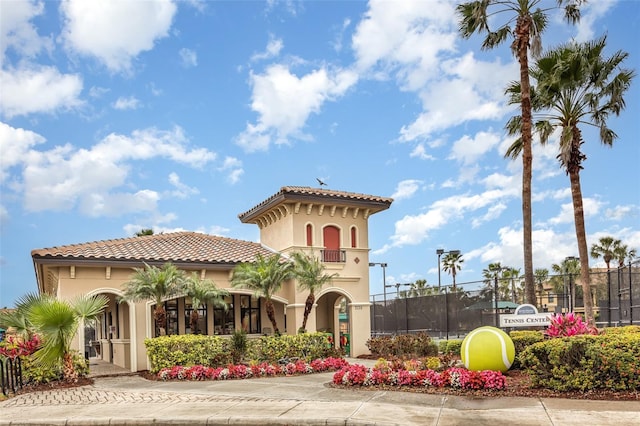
(403, 346)
(621, 330)
(585, 362)
(521, 340)
(34, 373)
(305, 346)
(566, 325)
(451, 347)
(187, 350)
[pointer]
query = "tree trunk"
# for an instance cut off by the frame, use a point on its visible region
(160, 317)
(522, 45)
(271, 314)
(311, 298)
(193, 321)
(68, 370)
(573, 168)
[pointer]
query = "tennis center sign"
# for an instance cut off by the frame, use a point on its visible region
(525, 316)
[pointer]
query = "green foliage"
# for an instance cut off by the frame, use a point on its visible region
(403, 346)
(187, 350)
(38, 373)
(609, 331)
(452, 347)
(238, 345)
(521, 340)
(585, 362)
(306, 346)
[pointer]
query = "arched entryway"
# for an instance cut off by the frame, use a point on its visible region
(113, 335)
(332, 316)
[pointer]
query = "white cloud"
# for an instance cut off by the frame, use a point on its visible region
(123, 103)
(590, 207)
(420, 152)
(15, 144)
(274, 46)
(16, 30)
(285, 101)
(94, 179)
(115, 32)
(181, 190)
(188, 57)
(233, 167)
(4, 215)
(406, 189)
(468, 150)
(39, 89)
(621, 212)
(590, 13)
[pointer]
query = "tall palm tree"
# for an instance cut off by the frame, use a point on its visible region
(569, 266)
(452, 263)
(421, 288)
(577, 85)
(309, 272)
(56, 322)
(156, 284)
(511, 274)
(542, 275)
(605, 248)
(524, 22)
(265, 277)
(202, 292)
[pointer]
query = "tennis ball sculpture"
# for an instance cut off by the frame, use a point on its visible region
(487, 348)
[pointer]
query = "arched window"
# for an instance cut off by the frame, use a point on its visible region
(354, 237)
(309, 235)
(332, 252)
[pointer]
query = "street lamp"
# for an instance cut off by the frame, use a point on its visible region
(383, 265)
(440, 252)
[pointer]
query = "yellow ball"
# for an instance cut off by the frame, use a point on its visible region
(487, 348)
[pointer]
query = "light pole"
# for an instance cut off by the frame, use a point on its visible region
(383, 265)
(440, 252)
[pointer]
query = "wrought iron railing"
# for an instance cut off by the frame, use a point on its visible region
(333, 256)
(10, 375)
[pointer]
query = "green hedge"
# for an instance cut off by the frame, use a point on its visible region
(451, 347)
(621, 330)
(216, 351)
(523, 339)
(187, 350)
(585, 362)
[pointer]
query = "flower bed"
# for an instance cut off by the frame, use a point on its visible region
(199, 372)
(456, 378)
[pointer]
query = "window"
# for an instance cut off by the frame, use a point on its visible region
(171, 309)
(201, 326)
(224, 321)
(309, 235)
(354, 239)
(250, 314)
(550, 297)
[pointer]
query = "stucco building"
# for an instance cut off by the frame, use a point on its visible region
(332, 225)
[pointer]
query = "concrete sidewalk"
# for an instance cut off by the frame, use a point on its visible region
(299, 400)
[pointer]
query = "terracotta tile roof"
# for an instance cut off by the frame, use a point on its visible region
(318, 195)
(176, 247)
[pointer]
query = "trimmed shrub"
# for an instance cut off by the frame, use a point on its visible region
(521, 340)
(34, 373)
(305, 346)
(452, 347)
(585, 362)
(621, 330)
(403, 346)
(187, 350)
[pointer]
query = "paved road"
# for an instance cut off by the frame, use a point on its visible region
(292, 401)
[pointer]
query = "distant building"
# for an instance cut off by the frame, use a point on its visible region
(332, 225)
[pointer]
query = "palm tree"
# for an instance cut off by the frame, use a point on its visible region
(144, 231)
(511, 274)
(157, 284)
(421, 288)
(18, 318)
(202, 292)
(452, 263)
(309, 272)
(623, 253)
(56, 322)
(525, 22)
(265, 277)
(542, 275)
(605, 248)
(577, 86)
(569, 266)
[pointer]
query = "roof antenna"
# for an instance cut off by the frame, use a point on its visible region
(321, 182)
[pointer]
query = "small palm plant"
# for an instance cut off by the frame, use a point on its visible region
(310, 274)
(265, 277)
(203, 291)
(56, 322)
(157, 284)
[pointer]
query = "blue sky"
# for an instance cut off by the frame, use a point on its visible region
(168, 115)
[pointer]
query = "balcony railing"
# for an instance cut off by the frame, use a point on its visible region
(333, 256)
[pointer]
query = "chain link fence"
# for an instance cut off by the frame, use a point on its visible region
(453, 311)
